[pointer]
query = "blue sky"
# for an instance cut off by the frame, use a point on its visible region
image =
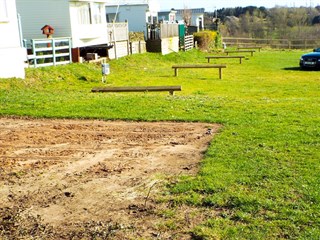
(210, 5)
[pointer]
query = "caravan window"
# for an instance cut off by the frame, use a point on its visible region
(112, 17)
(90, 13)
(96, 13)
(84, 14)
(3, 11)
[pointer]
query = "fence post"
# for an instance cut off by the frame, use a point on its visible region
(305, 43)
(34, 52)
(70, 50)
(53, 44)
(130, 48)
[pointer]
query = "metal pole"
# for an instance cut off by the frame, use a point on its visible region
(114, 34)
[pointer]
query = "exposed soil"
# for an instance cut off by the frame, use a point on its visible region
(91, 179)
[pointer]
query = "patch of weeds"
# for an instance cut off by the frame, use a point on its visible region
(93, 230)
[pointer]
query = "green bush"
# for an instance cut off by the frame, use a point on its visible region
(207, 39)
(136, 36)
(218, 40)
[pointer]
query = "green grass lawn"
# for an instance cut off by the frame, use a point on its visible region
(260, 177)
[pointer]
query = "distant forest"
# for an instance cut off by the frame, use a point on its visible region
(270, 23)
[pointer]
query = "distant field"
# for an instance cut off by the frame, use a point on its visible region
(260, 177)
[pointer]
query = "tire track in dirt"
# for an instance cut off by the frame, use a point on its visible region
(70, 172)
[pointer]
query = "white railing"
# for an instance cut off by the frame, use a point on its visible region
(118, 31)
(50, 52)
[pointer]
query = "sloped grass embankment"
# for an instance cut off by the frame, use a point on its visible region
(260, 177)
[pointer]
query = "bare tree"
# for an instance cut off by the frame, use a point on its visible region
(186, 15)
(274, 23)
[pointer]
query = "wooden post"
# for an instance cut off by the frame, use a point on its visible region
(130, 46)
(75, 55)
(176, 72)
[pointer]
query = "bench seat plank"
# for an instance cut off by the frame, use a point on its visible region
(169, 89)
(217, 57)
(241, 51)
(250, 47)
(176, 67)
(199, 66)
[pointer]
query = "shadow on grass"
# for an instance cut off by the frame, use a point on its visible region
(292, 69)
(299, 69)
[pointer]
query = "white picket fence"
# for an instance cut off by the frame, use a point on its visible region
(50, 52)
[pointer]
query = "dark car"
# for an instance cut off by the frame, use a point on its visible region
(310, 60)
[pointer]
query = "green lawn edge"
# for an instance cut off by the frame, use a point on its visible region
(259, 178)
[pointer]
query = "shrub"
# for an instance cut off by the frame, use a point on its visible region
(136, 36)
(207, 39)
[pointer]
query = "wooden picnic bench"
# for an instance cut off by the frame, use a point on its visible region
(176, 67)
(250, 47)
(217, 57)
(170, 89)
(240, 51)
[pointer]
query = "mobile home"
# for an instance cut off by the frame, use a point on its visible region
(12, 54)
(84, 21)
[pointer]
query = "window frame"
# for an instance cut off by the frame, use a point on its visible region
(4, 16)
(95, 12)
(90, 14)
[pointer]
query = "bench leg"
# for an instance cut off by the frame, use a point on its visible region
(240, 60)
(176, 72)
(208, 60)
(171, 92)
(220, 73)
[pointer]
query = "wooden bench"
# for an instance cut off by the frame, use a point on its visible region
(169, 89)
(240, 51)
(217, 57)
(251, 47)
(176, 67)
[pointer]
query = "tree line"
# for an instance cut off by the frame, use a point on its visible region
(272, 23)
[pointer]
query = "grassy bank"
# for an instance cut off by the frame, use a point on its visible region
(260, 178)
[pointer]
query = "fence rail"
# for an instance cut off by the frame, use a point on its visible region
(188, 42)
(50, 52)
(272, 43)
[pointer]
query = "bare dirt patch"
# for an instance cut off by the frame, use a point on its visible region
(75, 179)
